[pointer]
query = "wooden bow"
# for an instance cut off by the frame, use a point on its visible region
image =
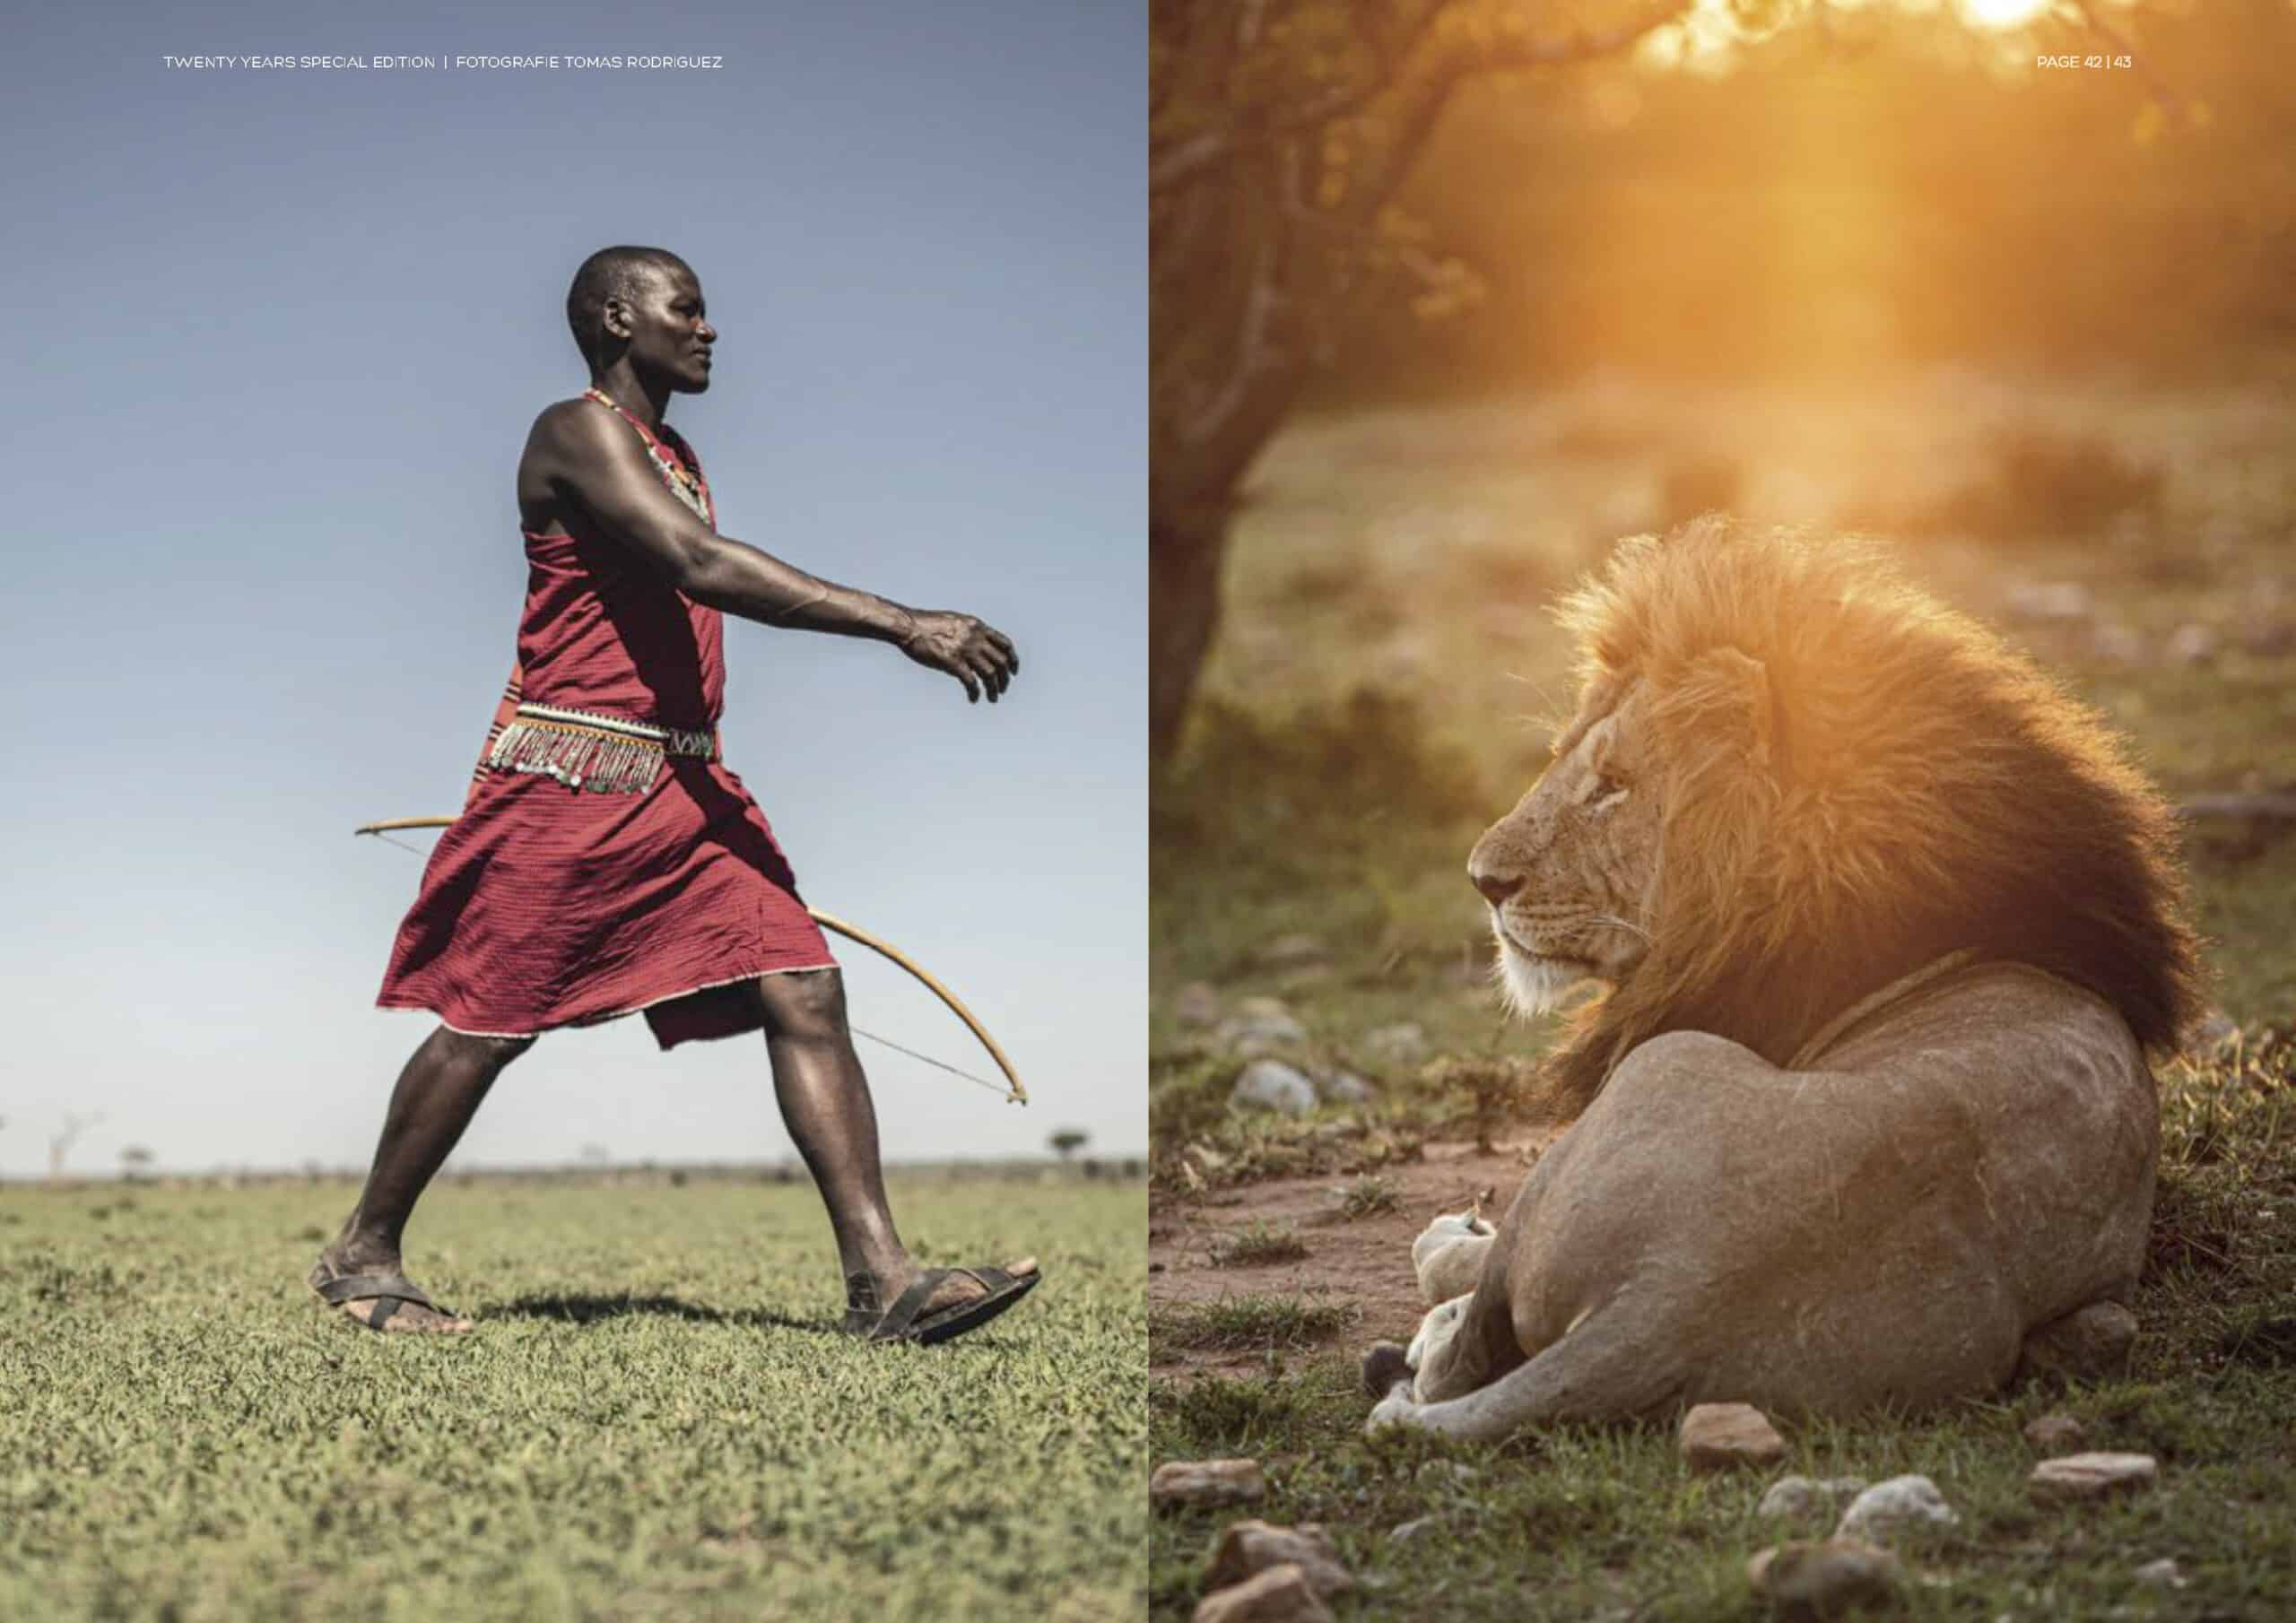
(1017, 1094)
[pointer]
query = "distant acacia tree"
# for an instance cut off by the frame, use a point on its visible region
(135, 1161)
(1067, 1141)
(59, 1143)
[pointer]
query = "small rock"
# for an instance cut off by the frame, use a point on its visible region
(2090, 1344)
(2191, 645)
(2054, 1433)
(1273, 1085)
(2090, 1476)
(1246, 1548)
(1259, 1025)
(1887, 1507)
(1281, 1594)
(1798, 1498)
(1823, 1580)
(1717, 1437)
(2162, 1573)
(1197, 1484)
(1286, 951)
(1405, 1531)
(1400, 1044)
(1198, 1004)
(1349, 1088)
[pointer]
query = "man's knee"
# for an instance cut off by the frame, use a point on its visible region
(490, 1052)
(806, 1004)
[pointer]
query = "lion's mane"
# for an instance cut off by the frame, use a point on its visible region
(1857, 781)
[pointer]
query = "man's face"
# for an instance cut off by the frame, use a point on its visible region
(667, 328)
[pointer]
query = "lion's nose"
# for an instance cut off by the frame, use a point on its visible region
(1496, 888)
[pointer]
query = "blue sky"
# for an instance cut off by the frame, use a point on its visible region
(285, 330)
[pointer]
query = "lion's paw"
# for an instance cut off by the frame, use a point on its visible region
(1448, 1255)
(1394, 1410)
(1384, 1366)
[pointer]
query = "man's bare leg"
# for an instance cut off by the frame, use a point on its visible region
(825, 1098)
(438, 1093)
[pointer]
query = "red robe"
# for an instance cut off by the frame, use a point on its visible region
(544, 906)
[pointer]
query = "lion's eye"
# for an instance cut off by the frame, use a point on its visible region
(1606, 787)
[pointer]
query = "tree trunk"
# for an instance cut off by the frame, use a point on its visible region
(1185, 556)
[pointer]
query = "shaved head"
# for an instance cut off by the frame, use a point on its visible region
(616, 273)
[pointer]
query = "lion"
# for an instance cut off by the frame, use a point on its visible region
(1888, 925)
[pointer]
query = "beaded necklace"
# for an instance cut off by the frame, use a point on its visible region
(685, 482)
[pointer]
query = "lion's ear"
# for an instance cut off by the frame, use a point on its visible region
(1728, 691)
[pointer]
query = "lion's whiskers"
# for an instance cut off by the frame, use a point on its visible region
(1613, 918)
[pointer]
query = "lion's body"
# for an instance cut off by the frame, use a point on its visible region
(1970, 1164)
(1794, 782)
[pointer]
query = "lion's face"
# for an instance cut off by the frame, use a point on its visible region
(1572, 873)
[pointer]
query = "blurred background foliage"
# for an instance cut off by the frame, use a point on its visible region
(1357, 201)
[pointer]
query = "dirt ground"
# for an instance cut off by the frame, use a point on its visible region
(1364, 1262)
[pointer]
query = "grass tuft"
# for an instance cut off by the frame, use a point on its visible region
(1258, 1244)
(1368, 1196)
(1250, 1322)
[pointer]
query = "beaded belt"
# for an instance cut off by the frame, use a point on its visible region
(604, 754)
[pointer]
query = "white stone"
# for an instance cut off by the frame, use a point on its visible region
(1346, 1087)
(2090, 1476)
(1259, 1025)
(1399, 1045)
(2162, 1573)
(1798, 1497)
(1273, 1085)
(1889, 1508)
(1199, 1483)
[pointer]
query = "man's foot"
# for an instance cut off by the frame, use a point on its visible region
(370, 1288)
(930, 1305)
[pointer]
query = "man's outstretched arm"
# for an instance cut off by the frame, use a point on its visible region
(593, 461)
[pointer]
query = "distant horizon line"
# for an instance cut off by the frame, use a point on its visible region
(789, 1170)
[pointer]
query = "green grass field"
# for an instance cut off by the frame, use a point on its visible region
(653, 1421)
(1384, 689)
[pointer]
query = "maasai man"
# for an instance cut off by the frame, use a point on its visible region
(605, 862)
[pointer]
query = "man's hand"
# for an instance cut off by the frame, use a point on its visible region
(975, 653)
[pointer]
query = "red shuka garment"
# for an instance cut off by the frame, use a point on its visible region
(546, 906)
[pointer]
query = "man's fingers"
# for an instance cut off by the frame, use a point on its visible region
(992, 674)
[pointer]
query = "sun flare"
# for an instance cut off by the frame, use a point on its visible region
(2002, 13)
